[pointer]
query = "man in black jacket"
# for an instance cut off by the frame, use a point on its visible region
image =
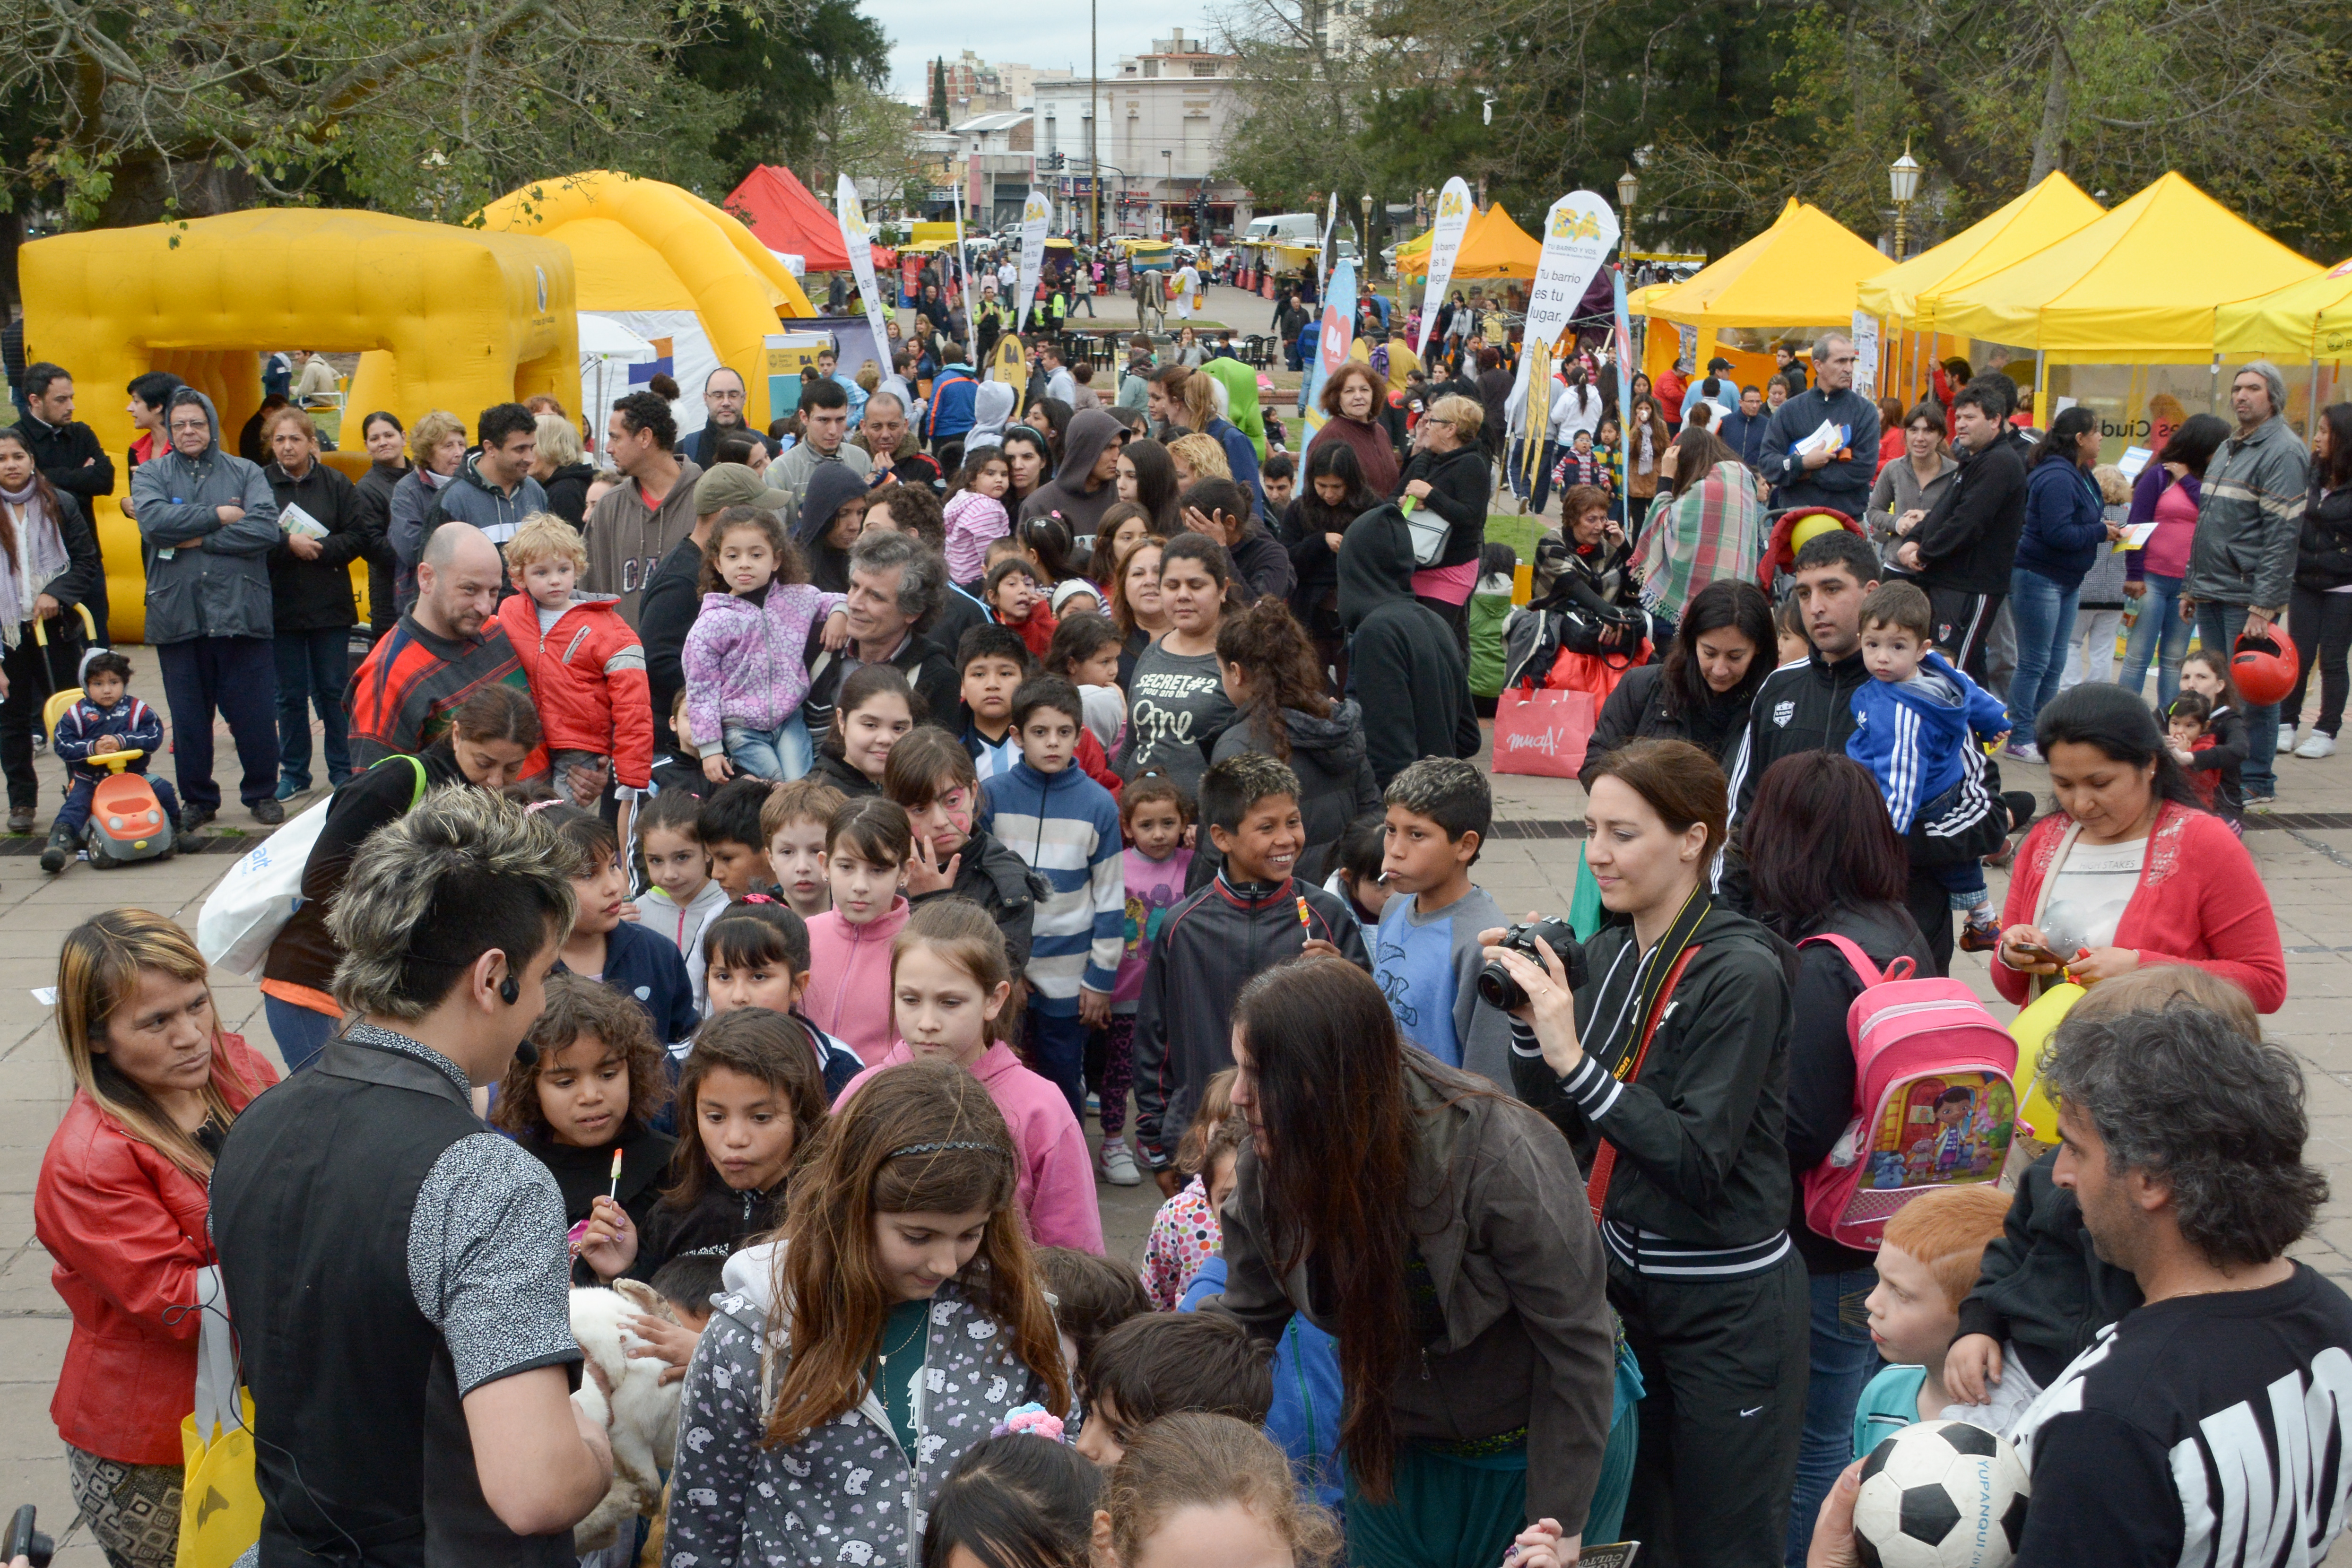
(311, 608)
(1963, 547)
(1406, 670)
(1809, 707)
(67, 453)
(1840, 479)
(895, 581)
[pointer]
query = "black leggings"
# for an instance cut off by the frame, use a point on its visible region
(2321, 625)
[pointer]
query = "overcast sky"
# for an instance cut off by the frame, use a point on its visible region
(1045, 36)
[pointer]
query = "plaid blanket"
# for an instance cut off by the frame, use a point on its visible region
(1710, 532)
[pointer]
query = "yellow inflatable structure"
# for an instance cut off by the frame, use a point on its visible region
(446, 317)
(641, 246)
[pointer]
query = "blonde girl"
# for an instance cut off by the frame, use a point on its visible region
(855, 1363)
(1195, 1488)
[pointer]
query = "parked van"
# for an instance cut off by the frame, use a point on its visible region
(1284, 228)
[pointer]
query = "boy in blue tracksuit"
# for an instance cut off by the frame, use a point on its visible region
(107, 713)
(1046, 810)
(1913, 721)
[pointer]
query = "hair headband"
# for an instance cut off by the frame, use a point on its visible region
(942, 1148)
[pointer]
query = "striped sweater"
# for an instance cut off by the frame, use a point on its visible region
(1067, 827)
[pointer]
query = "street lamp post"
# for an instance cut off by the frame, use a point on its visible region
(1628, 190)
(1364, 237)
(1903, 184)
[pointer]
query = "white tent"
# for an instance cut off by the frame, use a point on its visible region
(608, 348)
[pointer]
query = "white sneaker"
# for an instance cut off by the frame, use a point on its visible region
(1118, 1166)
(2286, 738)
(2316, 745)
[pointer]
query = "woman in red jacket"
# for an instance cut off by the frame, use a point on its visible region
(2130, 870)
(121, 1208)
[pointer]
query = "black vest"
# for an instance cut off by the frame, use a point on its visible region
(362, 1451)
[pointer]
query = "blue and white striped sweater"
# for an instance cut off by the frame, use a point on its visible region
(1065, 826)
(1912, 735)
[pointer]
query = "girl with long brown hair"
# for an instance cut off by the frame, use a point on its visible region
(120, 1208)
(1440, 1233)
(1272, 676)
(48, 563)
(897, 1321)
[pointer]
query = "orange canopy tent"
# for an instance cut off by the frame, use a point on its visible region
(778, 208)
(1492, 247)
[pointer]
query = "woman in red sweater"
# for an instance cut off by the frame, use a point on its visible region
(121, 1208)
(2130, 870)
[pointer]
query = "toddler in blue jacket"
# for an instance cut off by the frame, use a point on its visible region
(107, 719)
(1913, 719)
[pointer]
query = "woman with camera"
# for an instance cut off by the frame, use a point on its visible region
(1589, 567)
(1827, 862)
(1667, 1071)
(1433, 1226)
(121, 1208)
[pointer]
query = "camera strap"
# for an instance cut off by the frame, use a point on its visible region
(1604, 1161)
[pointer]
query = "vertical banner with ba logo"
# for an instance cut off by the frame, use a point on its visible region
(1444, 245)
(1036, 217)
(1578, 234)
(858, 241)
(1331, 340)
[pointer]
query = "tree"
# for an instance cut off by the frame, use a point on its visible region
(870, 137)
(784, 69)
(939, 91)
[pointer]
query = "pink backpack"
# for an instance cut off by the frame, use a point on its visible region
(1934, 1101)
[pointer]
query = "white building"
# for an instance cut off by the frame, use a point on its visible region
(1160, 121)
(997, 163)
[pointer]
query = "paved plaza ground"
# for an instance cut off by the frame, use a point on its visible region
(2303, 851)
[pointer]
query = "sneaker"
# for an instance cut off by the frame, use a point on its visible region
(288, 788)
(193, 818)
(20, 819)
(2023, 751)
(2316, 745)
(2286, 738)
(1982, 933)
(1118, 1166)
(2256, 800)
(268, 812)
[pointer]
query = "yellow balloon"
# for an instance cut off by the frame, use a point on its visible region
(2031, 1028)
(1811, 529)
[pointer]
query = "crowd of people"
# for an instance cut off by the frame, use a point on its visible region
(745, 890)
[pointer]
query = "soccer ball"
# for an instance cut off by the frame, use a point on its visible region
(1940, 1494)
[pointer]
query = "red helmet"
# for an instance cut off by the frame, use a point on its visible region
(2265, 668)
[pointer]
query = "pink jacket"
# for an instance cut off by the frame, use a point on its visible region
(1056, 1186)
(974, 522)
(849, 980)
(742, 658)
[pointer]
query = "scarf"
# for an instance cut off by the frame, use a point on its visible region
(1708, 532)
(39, 558)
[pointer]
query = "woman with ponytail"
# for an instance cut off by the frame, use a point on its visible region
(1273, 677)
(121, 1208)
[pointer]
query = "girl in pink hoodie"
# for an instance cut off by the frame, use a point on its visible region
(866, 846)
(949, 984)
(975, 513)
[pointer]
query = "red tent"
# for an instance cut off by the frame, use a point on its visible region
(779, 209)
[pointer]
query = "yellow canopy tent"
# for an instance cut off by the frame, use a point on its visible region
(1803, 271)
(2040, 217)
(670, 266)
(2308, 320)
(1492, 247)
(2136, 286)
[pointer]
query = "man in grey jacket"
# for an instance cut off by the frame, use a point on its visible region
(825, 408)
(493, 489)
(2241, 563)
(207, 523)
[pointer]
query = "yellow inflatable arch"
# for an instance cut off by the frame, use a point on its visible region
(641, 246)
(448, 318)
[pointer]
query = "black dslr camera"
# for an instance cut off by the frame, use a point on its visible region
(1495, 982)
(26, 1541)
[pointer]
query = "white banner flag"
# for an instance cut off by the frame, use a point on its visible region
(1865, 349)
(1330, 222)
(1445, 245)
(1578, 234)
(858, 241)
(1036, 218)
(970, 299)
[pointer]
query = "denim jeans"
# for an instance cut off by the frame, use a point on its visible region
(2043, 613)
(1057, 1054)
(311, 669)
(300, 1034)
(2218, 626)
(1843, 1361)
(2159, 633)
(783, 752)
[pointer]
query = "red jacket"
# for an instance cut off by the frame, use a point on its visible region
(2199, 900)
(1036, 633)
(588, 677)
(126, 1230)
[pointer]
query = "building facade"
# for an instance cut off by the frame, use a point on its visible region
(1159, 122)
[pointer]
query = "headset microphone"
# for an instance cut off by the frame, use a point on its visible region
(510, 992)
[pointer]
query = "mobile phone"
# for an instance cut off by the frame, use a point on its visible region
(2035, 953)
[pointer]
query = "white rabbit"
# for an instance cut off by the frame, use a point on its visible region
(626, 1397)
